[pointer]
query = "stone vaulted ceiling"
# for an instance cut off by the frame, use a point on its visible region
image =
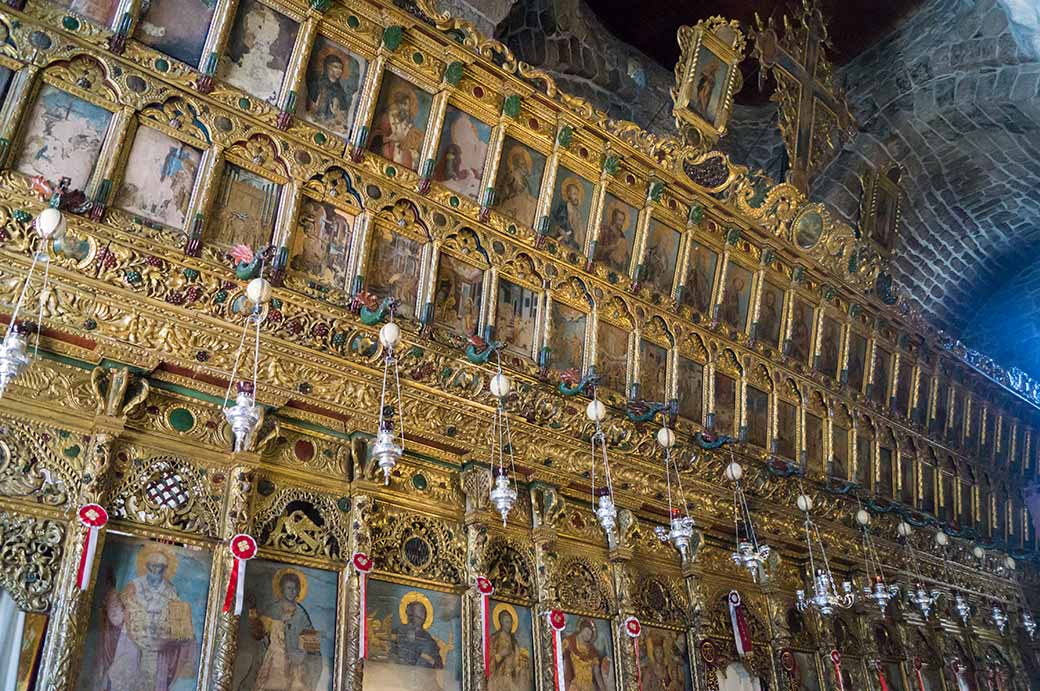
(946, 89)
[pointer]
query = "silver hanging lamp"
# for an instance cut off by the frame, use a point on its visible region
(14, 354)
(876, 589)
(681, 526)
(244, 416)
(386, 451)
(602, 497)
(825, 597)
(749, 553)
(503, 491)
(917, 593)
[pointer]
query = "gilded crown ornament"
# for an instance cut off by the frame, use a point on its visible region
(825, 597)
(14, 353)
(503, 493)
(749, 554)
(876, 588)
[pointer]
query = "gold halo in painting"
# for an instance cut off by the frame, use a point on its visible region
(609, 216)
(155, 549)
(276, 582)
(409, 93)
(573, 182)
(518, 154)
(409, 598)
(497, 612)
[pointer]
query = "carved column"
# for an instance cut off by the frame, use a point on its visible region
(222, 627)
(70, 613)
(476, 484)
(546, 509)
(349, 665)
(620, 563)
(871, 654)
(780, 635)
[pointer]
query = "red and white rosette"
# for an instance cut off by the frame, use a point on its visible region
(632, 629)
(557, 622)
(881, 676)
(485, 590)
(836, 661)
(917, 673)
(243, 548)
(363, 563)
(741, 633)
(94, 517)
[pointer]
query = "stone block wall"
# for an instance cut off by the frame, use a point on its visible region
(1007, 326)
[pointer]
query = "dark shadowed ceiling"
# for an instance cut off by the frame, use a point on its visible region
(650, 25)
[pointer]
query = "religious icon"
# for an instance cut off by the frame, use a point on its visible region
(512, 668)
(460, 287)
(857, 358)
(414, 637)
(690, 376)
(322, 245)
(287, 634)
(879, 382)
(880, 206)
(801, 330)
(587, 659)
(567, 340)
(612, 357)
(758, 417)
(904, 375)
(569, 217)
(885, 469)
(258, 51)
(6, 73)
(662, 252)
(177, 28)
(244, 210)
(864, 458)
(787, 430)
(840, 452)
(653, 372)
(519, 181)
(99, 11)
(830, 347)
(159, 178)
(894, 676)
(701, 278)
(737, 677)
(725, 403)
(332, 87)
(399, 126)
(461, 153)
(942, 395)
(394, 268)
(665, 664)
(807, 674)
(149, 609)
(736, 296)
(516, 318)
(813, 441)
(710, 81)
(770, 314)
(808, 228)
(63, 137)
(617, 235)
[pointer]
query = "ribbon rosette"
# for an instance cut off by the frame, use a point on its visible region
(94, 517)
(632, 629)
(243, 548)
(741, 633)
(836, 661)
(485, 589)
(917, 673)
(881, 676)
(363, 563)
(557, 621)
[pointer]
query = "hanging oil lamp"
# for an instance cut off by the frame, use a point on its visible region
(602, 497)
(14, 354)
(962, 607)
(749, 553)
(386, 451)
(825, 593)
(244, 416)
(681, 526)
(1000, 618)
(917, 594)
(503, 493)
(876, 588)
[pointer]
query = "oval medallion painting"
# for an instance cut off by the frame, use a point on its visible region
(808, 228)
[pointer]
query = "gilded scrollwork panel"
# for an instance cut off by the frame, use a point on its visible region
(31, 549)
